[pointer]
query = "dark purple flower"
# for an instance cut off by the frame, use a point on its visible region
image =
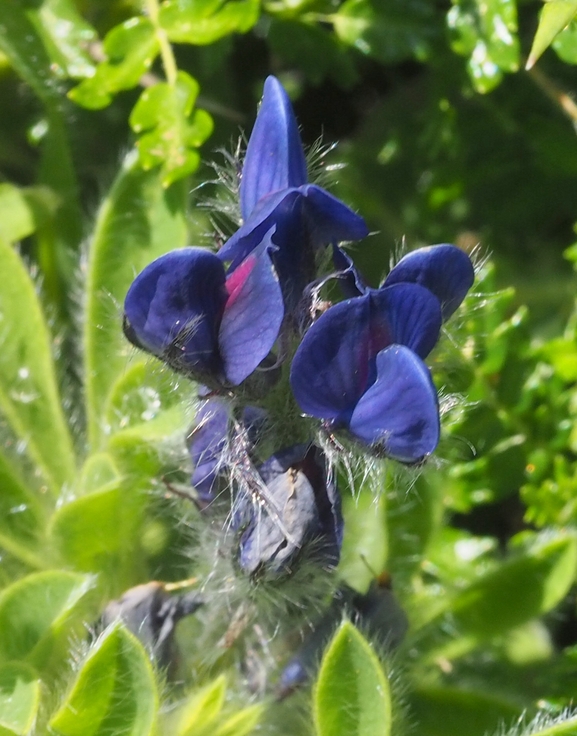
(213, 433)
(274, 192)
(302, 510)
(215, 327)
(360, 367)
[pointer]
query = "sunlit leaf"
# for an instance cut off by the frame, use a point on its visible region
(28, 392)
(37, 610)
(137, 222)
(130, 49)
(114, 692)
(351, 695)
(170, 130)
(19, 698)
(555, 16)
(205, 21)
(486, 32)
(66, 35)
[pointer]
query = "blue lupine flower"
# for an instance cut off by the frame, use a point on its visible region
(215, 327)
(360, 366)
(302, 511)
(213, 433)
(274, 192)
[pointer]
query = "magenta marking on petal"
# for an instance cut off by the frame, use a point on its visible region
(238, 278)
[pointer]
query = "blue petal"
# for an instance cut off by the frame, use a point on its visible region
(335, 362)
(207, 442)
(276, 207)
(444, 269)
(409, 313)
(253, 314)
(328, 219)
(173, 309)
(350, 280)
(399, 412)
(274, 157)
(304, 218)
(331, 367)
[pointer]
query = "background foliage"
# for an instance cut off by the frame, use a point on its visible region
(109, 109)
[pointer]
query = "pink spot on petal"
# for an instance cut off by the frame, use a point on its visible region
(238, 278)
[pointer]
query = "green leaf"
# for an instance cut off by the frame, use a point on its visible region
(23, 46)
(22, 211)
(203, 22)
(486, 32)
(130, 48)
(389, 31)
(546, 725)
(21, 517)
(555, 16)
(351, 694)
(66, 36)
(364, 551)
(174, 130)
(143, 392)
(98, 471)
(143, 450)
(241, 723)
(114, 692)
(522, 588)
(442, 711)
(37, 610)
(137, 222)
(29, 396)
(100, 533)
(203, 709)
(19, 698)
(565, 46)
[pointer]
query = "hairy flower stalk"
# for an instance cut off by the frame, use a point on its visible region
(227, 320)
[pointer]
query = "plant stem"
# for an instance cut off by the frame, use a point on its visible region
(166, 53)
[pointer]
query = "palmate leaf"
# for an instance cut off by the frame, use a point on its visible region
(114, 692)
(138, 221)
(170, 130)
(351, 695)
(205, 21)
(29, 397)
